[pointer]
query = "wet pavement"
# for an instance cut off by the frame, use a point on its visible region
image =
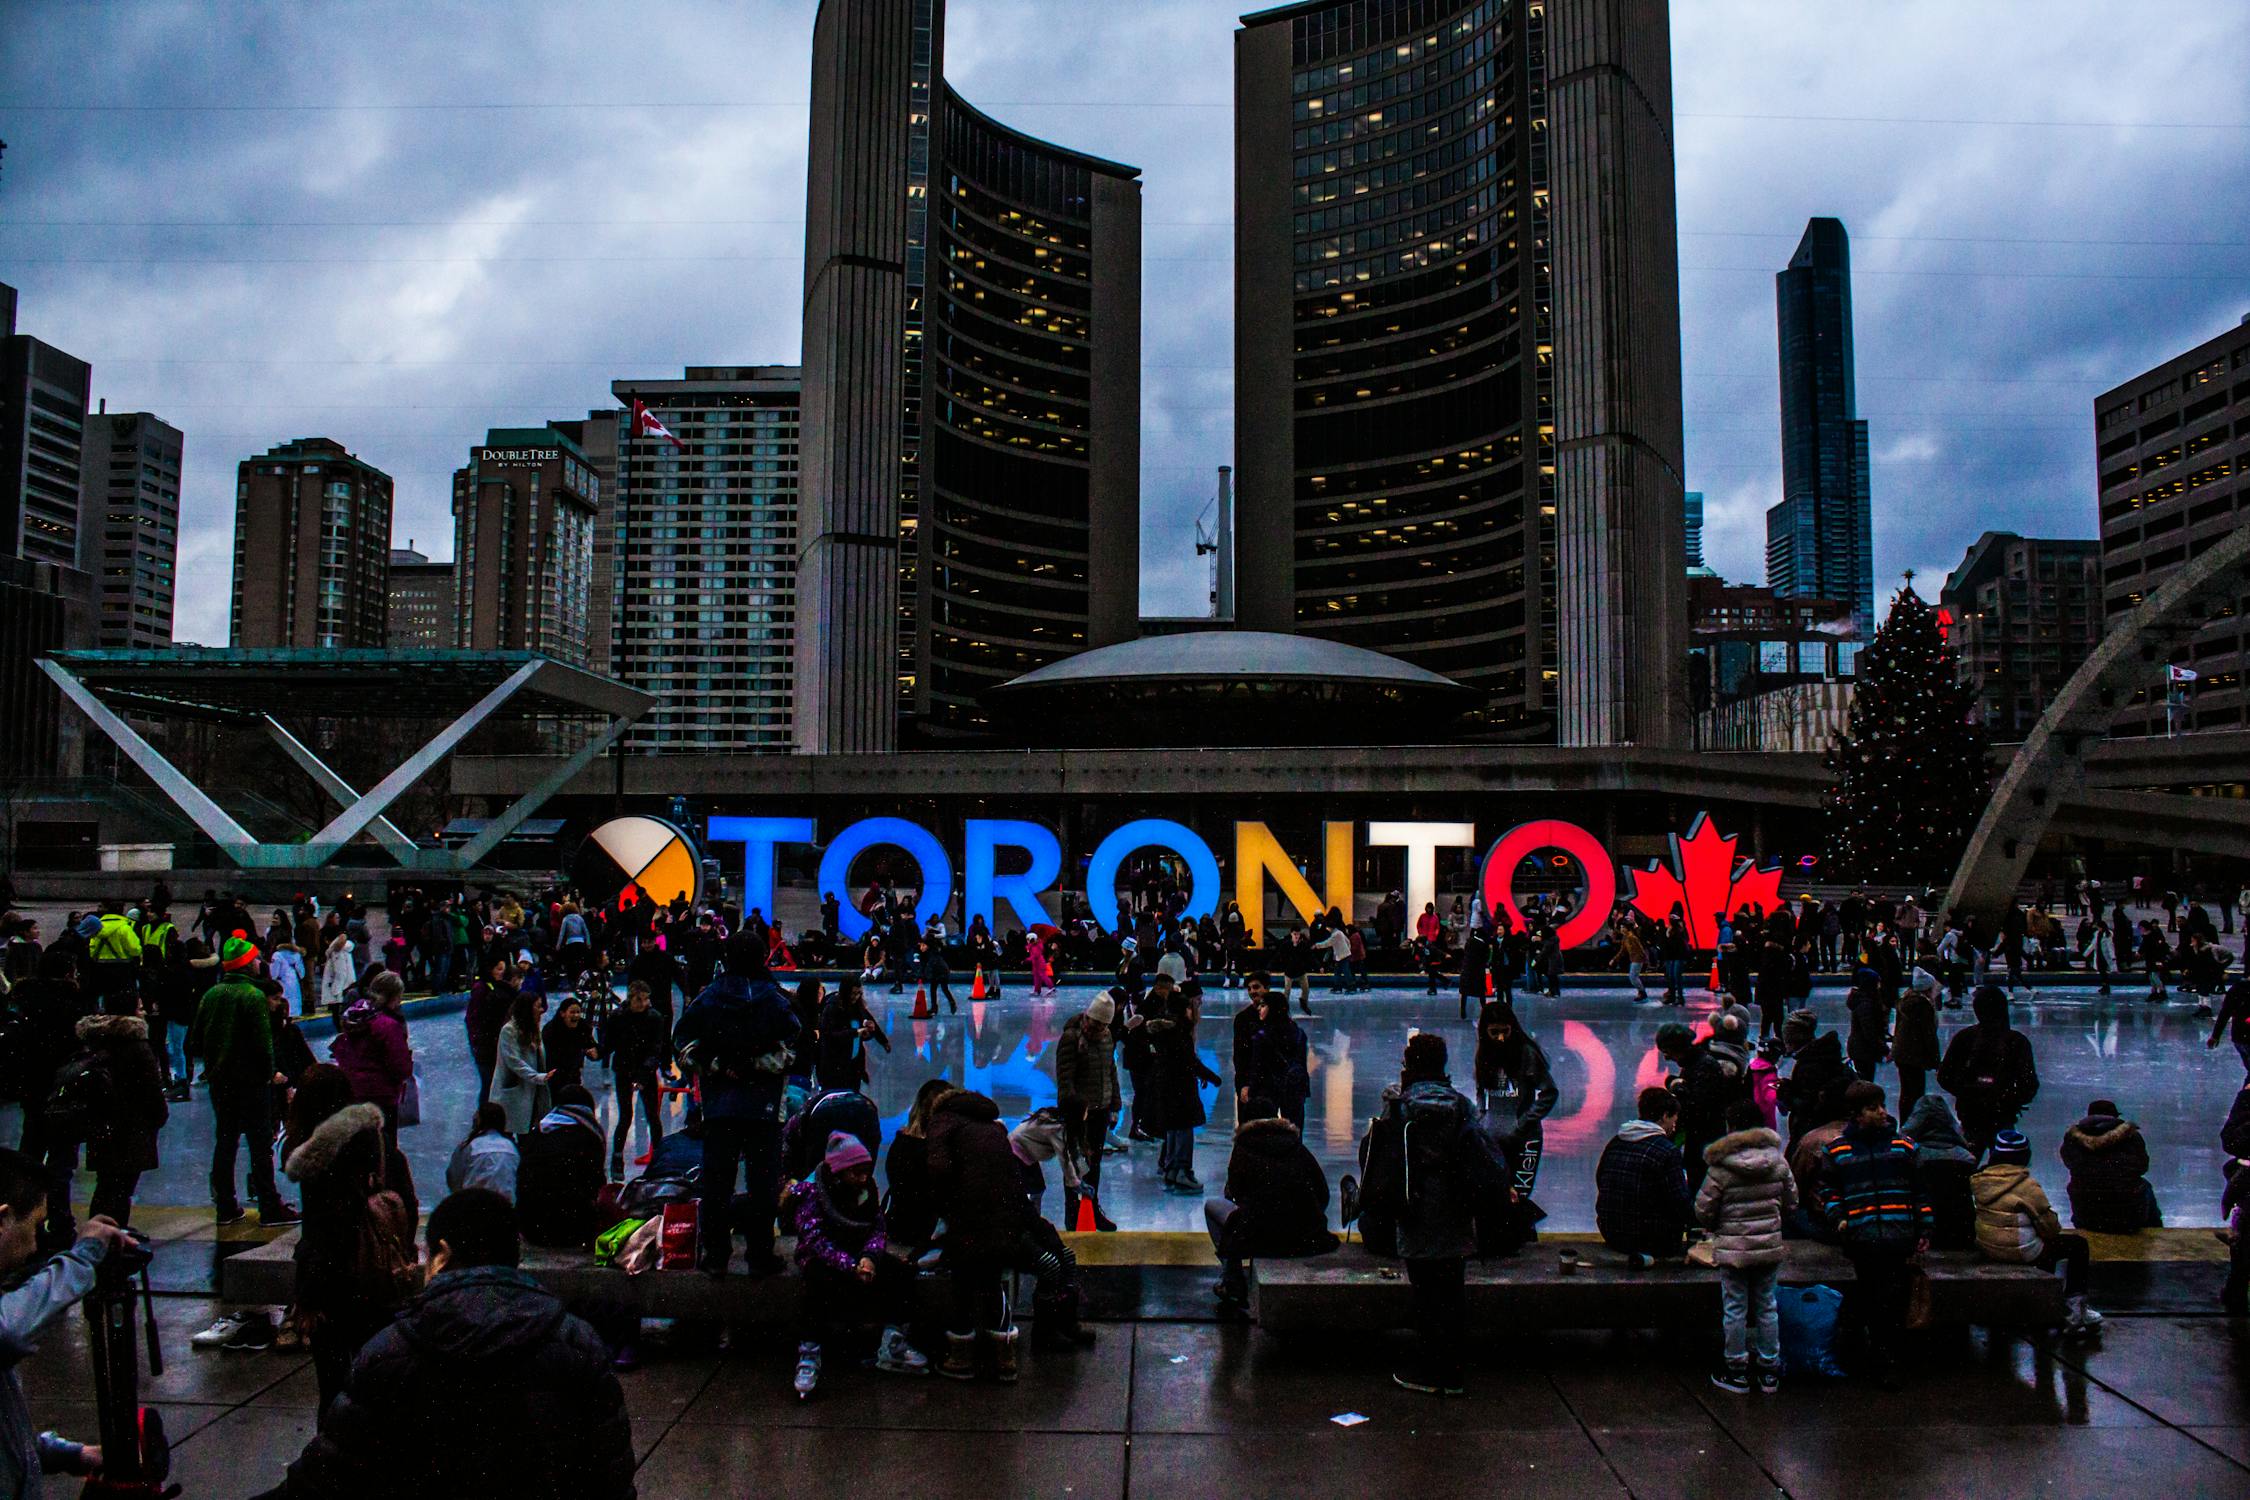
(2157, 1405)
(2149, 1058)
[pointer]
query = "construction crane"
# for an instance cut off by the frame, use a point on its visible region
(1216, 541)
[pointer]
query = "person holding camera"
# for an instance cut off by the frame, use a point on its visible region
(28, 1310)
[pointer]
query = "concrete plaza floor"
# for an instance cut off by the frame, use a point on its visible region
(2149, 1058)
(2160, 1405)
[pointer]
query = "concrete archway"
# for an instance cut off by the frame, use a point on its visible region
(2051, 765)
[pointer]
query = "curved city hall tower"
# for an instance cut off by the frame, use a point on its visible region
(1457, 349)
(971, 437)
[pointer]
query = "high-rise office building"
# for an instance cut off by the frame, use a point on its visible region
(312, 548)
(1457, 350)
(971, 394)
(2025, 612)
(704, 559)
(1691, 516)
(523, 544)
(129, 485)
(43, 396)
(1820, 540)
(422, 602)
(596, 433)
(2173, 445)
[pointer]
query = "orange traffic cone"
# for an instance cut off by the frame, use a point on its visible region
(921, 1004)
(976, 985)
(1085, 1224)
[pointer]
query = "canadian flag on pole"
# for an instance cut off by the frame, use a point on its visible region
(646, 425)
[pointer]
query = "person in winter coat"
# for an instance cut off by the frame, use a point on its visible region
(2017, 1225)
(286, 965)
(568, 1043)
(1747, 1192)
(27, 1309)
(1425, 1169)
(736, 1035)
(339, 1160)
(123, 1145)
(1870, 1041)
(487, 1158)
(1989, 1070)
(1867, 1193)
(2232, 1021)
(1914, 1044)
(485, 1385)
(1275, 1203)
(912, 1204)
(1714, 1073)
(1515, 1093)
(521, 1077)
(491, 999)
(1086, 1094)
(1641, 1200)
(372, 1048)
(233, 1034)
(292, 1054)
(1943, 1164)
(1175, 1076)
(636, 1047)
(338, 971)
(977, 1189)
(1813, 1092)
(1279, 1062)
(843, 1254)
(2108, 1162)
(51, 1005)
(559, 1172)
(845, 1028)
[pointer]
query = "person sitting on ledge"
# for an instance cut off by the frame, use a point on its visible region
(1943, 1164)
(1641, 1200)
(2108, 1161)
(2016, 1224)
(1276, 1203)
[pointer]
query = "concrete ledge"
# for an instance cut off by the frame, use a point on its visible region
(1353, 1291)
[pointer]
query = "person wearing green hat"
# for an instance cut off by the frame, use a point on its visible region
(233, 1034)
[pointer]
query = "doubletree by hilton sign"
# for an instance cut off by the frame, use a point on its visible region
(524, 458)
(1702, 878)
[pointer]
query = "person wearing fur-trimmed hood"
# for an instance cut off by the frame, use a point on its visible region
(123, 1144)
(339, 1160)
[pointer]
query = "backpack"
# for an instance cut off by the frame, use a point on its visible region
(79, 1107)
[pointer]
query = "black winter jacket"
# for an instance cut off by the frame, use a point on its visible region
(1813, 1093)
(1990, 1085)
(127, 1141)
(1281, 1191)
(483, 1389)
(976, 1181)
(2109, 1187)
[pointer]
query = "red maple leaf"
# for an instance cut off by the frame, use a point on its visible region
(1705, 882)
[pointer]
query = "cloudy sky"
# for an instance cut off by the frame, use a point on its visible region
(400, 224)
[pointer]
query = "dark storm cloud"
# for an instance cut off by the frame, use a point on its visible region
(402, 277)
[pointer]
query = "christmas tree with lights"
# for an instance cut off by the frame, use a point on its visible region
(1910, 777)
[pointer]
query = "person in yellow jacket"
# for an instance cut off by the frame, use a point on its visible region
(2016, 1224)
(113, 959)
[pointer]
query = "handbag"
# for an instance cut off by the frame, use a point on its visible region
(385, 1270)
(410, 1101)
(1920, 1313)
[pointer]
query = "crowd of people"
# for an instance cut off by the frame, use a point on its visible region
(1768, 1128)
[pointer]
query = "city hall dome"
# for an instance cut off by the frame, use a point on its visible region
(1229, 687)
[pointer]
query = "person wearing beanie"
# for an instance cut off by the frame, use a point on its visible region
(1714, 1074)
(1867, 1193)
(233, 1034)
(1989, 1070)
(1423, 1178)
(2016, 1225)
(2108, 1162)
(1813, 1092)
(851, 1279)
(1087, 1094)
